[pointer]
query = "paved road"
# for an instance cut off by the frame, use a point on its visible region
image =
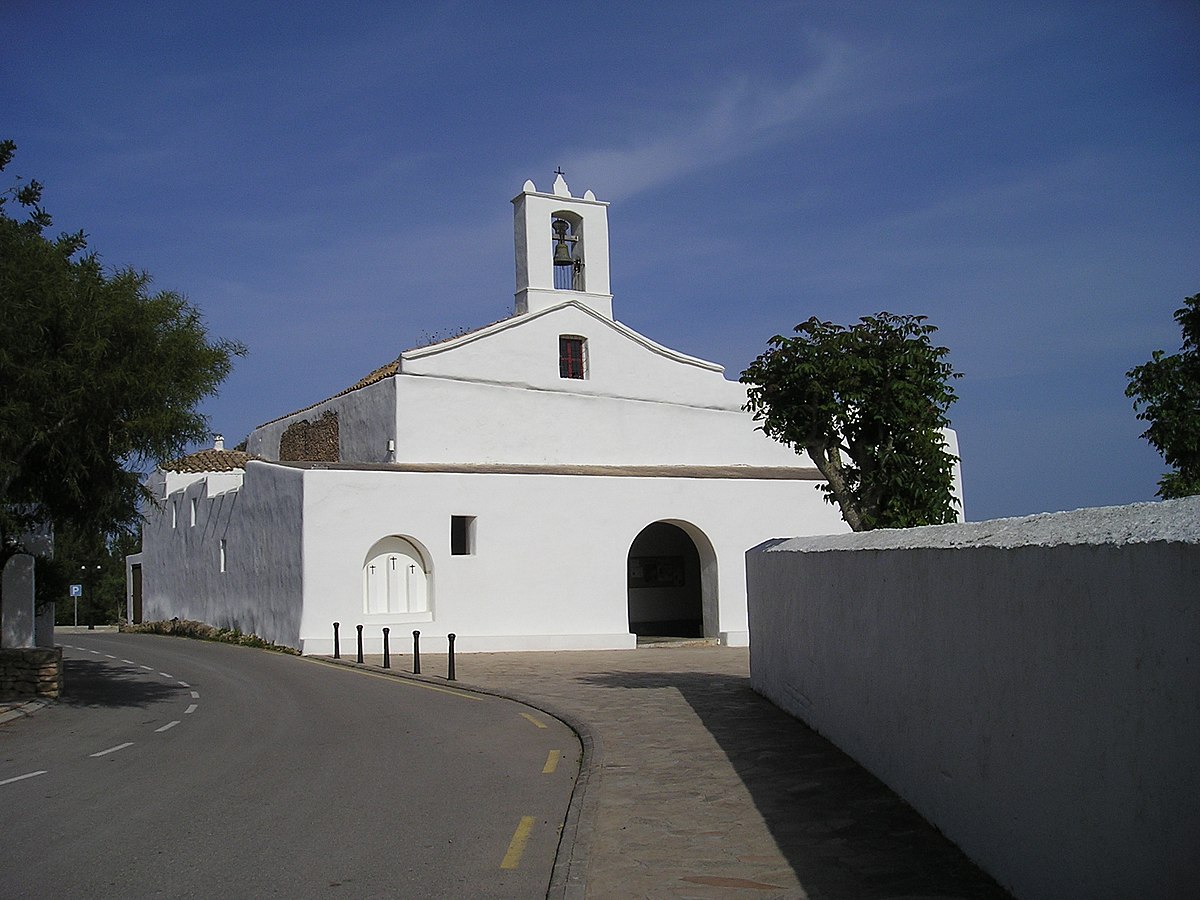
(176, 768)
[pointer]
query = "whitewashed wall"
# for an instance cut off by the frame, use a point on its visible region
(496, 396)
(1031, 686)
(366, 422)
(259, 517)
(523, 351)
(550, 568)
(464, 422)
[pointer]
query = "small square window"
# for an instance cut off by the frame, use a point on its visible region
(462, 535)
(572, 356)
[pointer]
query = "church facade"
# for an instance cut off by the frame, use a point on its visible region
(551, 481)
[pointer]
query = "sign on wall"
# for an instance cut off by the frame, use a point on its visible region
(655, 571)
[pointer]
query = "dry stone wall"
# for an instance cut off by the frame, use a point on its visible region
(306, 441)
(30, 672)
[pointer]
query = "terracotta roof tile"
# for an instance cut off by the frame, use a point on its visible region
(379, 374)
(209, 461)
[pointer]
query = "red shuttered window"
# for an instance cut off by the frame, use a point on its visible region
(572, 358)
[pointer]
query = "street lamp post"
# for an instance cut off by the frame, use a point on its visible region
(84, 579)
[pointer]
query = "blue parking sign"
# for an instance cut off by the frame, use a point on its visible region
(77, 590)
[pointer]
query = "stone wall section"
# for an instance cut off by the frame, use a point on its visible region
(306, 441)
(30, 672)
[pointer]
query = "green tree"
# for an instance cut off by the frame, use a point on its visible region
(99, 377)
(95, 561)
(1167, 391)
(868, 404)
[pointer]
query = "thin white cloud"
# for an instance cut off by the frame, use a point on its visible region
(739, 118)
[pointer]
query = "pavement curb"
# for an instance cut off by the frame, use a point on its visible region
(10, 711)
(568, 877)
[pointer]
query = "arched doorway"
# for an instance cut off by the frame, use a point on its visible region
(395, 578)
(671, 582)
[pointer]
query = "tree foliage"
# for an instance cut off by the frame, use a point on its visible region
(868, 404)
(99, 377)
(95, 561)
(1166, 393)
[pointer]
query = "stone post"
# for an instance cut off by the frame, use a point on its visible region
(16, 603)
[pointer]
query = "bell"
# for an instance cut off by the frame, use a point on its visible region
(562, 253)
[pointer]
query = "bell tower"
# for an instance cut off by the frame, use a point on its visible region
(562, 249)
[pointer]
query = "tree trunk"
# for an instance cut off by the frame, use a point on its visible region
(829, 463)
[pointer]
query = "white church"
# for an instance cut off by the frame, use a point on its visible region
(553, 481)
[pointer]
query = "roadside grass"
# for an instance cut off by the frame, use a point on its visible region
(204, 632)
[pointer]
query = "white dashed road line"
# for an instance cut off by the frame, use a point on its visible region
(113, 749)
(192, 707)
(23, 777)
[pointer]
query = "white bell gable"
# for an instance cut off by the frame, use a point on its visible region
(534, 215)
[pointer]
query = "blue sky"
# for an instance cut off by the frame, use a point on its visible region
(331, 186)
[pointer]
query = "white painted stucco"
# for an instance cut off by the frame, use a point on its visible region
(496, 396)
(532, 215)
(1031, 686)
(548, 570)
(261, 590)
(366, 422)
(550, 565)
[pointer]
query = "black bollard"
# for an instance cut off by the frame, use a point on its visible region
(416, 653)
(450, 660)
(359, 643)
(337, 647)
(387, 656)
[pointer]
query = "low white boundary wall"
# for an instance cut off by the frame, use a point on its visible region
(1031, 686)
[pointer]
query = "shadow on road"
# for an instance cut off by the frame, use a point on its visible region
(89, 683)
(843, 831)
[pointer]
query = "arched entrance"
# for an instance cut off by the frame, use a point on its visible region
(672, 582)
(395, 578)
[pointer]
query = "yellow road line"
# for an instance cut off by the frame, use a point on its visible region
(551, 762)
(517, 845)
(393, 679)
(533, 720)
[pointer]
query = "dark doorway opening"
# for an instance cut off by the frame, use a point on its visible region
(135, 574)
(666, 596)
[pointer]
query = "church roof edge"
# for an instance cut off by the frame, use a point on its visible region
(209, 460)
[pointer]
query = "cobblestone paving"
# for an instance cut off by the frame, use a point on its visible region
(707, 790)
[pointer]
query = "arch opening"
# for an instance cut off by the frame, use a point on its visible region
(567, 247)
(395, 578)
(671, 582)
